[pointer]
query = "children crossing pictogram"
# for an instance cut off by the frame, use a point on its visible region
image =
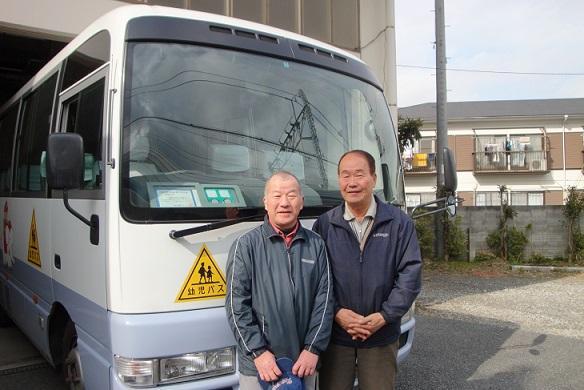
(205, 279)
(34, 252)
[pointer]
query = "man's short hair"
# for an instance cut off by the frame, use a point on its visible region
(282, 173)
(366, 155)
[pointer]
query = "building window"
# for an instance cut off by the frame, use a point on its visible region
(420, 157)
(509, 152)
(415, 199)
(488, 198)
(535, 199)
(412, 200)
(527, 199)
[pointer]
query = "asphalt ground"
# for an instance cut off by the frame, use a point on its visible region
(498, 332)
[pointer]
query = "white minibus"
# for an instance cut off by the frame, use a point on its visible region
(132, 161)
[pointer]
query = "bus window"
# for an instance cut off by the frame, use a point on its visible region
(90, 56)
(83, 114)
(7, 131)
(32, 140)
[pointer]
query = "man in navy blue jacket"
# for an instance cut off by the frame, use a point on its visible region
(376, 266)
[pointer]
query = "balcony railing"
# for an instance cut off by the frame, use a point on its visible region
(510, 161)
(420, 163)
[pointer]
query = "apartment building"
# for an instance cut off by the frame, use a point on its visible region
(33, 31)
(533, 147)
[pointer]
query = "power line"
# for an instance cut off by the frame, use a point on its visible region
(493, 71)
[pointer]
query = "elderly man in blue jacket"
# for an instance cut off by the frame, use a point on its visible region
(376, 265)
(279, 298)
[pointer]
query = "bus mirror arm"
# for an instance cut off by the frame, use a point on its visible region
(450, 203)
(65, 161)
(93, 222)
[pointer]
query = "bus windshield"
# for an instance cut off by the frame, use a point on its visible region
(205, 127)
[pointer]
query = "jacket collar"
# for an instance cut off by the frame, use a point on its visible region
(270, 232)
(385, 212)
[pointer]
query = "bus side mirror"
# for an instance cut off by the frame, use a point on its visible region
(65, 168)
(450, 178)
(64, 161)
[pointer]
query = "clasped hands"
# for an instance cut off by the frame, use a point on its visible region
(358, 326)
(269, 371)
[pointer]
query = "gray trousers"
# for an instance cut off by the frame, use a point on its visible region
(376, 368)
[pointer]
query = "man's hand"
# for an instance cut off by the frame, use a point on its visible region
(267, 367)
(372, 323)
(359, 327)
(353, 323)
(306, 364)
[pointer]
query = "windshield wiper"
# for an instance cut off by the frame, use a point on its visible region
(174, 234)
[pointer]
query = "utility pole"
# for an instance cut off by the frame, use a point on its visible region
(441, 122)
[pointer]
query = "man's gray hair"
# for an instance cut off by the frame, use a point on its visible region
(282, 174)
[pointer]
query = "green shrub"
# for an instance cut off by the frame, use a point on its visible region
(516, 242)
(485, 257)
(457, 240)
(538, 259)
(425, 232)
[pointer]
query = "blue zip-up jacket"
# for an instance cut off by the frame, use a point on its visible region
(386, 277)
(278, 298)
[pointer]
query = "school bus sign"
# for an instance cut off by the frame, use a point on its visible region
(205, 279)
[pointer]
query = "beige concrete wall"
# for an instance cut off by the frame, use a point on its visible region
(54, 19)
(553, 198)
(377, 46)
(468, 197)
(555, 157)
(574, 151)
(464, 153)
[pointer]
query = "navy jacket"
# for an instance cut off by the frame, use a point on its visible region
(278, 298)
(385, 277)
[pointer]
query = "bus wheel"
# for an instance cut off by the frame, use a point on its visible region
(5, 321)
(72, 371)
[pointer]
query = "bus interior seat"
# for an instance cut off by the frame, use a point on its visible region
(288, 161)
(229, 158)
(139, 153)
(90, 169)
(292, 162)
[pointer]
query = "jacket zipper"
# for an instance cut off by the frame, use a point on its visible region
(290, 268)
(361, 265)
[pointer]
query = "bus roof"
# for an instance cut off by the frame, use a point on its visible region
(117, 20)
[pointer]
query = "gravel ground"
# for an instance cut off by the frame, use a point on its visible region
(541, 302)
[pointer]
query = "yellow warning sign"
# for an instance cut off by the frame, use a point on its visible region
(204, 281)
(34, 252)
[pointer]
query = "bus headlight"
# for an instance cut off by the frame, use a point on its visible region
(136, 372)
(151, 372)
(197, 365)
(409, 314)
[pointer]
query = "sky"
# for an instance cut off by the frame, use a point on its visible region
(514, 36)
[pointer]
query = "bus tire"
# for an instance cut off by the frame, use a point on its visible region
(72, 370)
(5, 321)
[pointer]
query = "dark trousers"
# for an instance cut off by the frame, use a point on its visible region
(376, 367)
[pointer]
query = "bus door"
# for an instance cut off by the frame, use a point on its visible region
(79, 267)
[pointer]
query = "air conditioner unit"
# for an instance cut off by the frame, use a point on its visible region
(536, 165)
